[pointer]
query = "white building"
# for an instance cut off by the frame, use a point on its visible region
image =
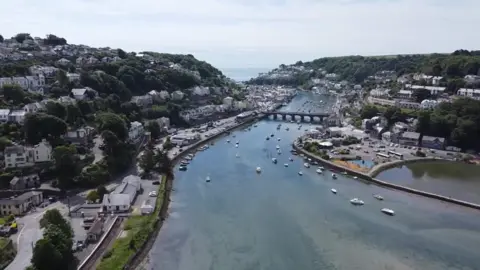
(436, 80)
(472, 79)
(21, 156)
(73, 76)
(434, 90)
(405, 93)
(79, 93)
(200, 91)
(32, 107)
(143, 101)
(123, 196)
(380, 93)
(4, 115)
(473, 93)
(136, 131)
(47, 71)
(228, 101)
(42, 151)
(428, 104)
(27, 83)
(164, 95)
(17, 116)
(177, 95)
(382, 102)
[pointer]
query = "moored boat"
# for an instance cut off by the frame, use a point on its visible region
(388, 211)
(334, 191)
(378, 197)
(356, 201)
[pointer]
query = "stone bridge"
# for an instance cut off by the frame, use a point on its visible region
(313, 117)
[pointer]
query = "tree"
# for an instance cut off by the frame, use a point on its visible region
(163, 164)
(93, 196)
(54, 217)
(114, 123)
(101, 190)
(74, 115)
(45, 256)
(369, 111)
(4, 142)
(66, 164)
(420, 95)
(54, 40)
(62, 78)
(43, 126)
(14, 93)
(154, 128)
(56, 109)
(1, 39)
(392, 114)
(118, 154)
(122, 54)
(63, 243)
(147, 160)
(22, 37)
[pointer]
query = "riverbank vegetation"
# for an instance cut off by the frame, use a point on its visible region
(137, 230)
(7, 252)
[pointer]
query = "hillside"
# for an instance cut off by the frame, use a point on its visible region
(453, 67)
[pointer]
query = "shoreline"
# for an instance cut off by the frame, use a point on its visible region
(371, 179)
(142, 253)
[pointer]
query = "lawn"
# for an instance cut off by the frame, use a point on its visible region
(138, 229)
(2, 221)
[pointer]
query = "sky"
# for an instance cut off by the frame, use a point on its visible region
(253, 33)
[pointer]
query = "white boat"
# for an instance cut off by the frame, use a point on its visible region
(334, 191)
(259, 170)
(207, 179)
(237, 155)
(355, 177)
(378, 197)
(321, 168)
(334, 176)
(274, 160)
(290, 158)
(278, 147)
(319, 171)
(306, 165)
(300, 173)
(309, 160)
(228, 140)
(279, 152)
(388, 211)
(356, 201)
(278, 139)
(236, 145)
(286, 164)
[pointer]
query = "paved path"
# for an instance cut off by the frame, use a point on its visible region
(29, 234)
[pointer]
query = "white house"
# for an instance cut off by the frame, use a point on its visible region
(17, 116)
(17, 156)
(32, 107)
(66, 100)
(473, 93)
(472, 79)
(434, 90)
(428, 104)
(79, 93)
(142, 101)
(136, 131)
(42, 151)
(4, 115)
(379, 93)
(436, 80)
(405, 93)
(228, 101)
(116, 203)
(178, 95)
(63, 61)
(73, 76)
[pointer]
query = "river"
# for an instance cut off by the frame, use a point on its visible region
(279, 220)
(453, 179)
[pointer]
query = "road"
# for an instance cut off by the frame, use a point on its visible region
(96, 149)
(29, 234)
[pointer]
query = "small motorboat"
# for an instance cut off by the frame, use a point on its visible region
(344, 173)
(378, 197)
(334, 176)
(228, 140)
(236, 145)
(268, 138)
(258, 170)
(290, 158)
(182, 168)
(356, 201)
(207, 179)
(319, 171)
(272, 135)
(255, 125)
(237, 155)
(287, 129)
(306, 165)
(355, 177)
(315, 163)
(300, 173)
(286, 164)
(309, 159)
(334, 191)
(387, 211)
(279, 151)
(278, 147)
(237, 142)
(274, 160)
(322, 168)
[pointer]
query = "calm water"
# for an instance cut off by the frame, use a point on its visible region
(279, 220)
(458, 180)
(243, 74)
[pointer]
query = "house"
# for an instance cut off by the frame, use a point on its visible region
(387, 137)
(79, 136)
(24, 182)
(32, 107)
(21, 204)
(42, 152)
(407, 94)
(184, 139)
(164, 95)
(136, 131)
(428, 104)
(79, 93)
(164, 123)
(17, 156)
(123, 196)
(73, 77)
(17, 116)
(177, 95)
(434, 90)
(382, 102)
(433, 142)
(228, 101)
(472, 79)
(4, 115)
(95, 231)
(143, 101)
(408, 138)
(436, 80)
(473, 93)
(63, 62)
(65, 100)
(379, 93)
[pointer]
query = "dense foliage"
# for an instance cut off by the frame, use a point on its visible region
(357, 68)
(458, 122)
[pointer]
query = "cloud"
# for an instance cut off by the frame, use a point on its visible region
(257, 33)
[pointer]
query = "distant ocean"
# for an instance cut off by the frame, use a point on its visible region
(243, 74)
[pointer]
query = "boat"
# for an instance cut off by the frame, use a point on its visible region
(278, 147)
(237, 142)
(272, 135)
(356, 201)
(236, 145)
(355, 177)
(309, 159)
(278, 139)
(306, 165)
(315, 163)
(286, 164)
(287, 129)
(334, 191)
(319, 171)
(255, 125)
(237, 155)
(182, 168)
(184, 162)
(300, 173)
(279, 152)
(321, 168)
(207, 179)
(259, 170)
(274, 160)
(290, 158)
(228, 140)
(387, 211)
(334, 176)
(378, 197)
(268, 138)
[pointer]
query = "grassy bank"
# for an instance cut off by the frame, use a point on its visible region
(137, 229)
(7, 252)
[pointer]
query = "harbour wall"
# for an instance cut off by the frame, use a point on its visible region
(371, 179)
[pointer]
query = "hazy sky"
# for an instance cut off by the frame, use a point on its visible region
(253, 33)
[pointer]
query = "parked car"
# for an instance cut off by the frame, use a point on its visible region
(156, 183)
